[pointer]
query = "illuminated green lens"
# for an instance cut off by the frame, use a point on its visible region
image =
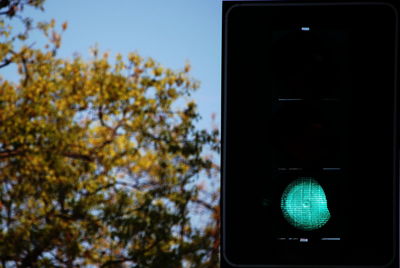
(304, 204)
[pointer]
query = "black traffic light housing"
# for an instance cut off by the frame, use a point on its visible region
(309, 134)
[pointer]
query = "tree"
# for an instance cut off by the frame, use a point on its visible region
(97, 160)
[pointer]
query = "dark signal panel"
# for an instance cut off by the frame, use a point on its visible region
(309, 134)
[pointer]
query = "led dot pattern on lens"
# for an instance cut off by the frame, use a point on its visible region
(304, 204)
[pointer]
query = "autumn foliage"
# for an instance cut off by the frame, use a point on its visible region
(99, 158)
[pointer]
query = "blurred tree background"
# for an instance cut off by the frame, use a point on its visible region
(98, 163)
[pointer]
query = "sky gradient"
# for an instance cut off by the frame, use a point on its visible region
(171, 32)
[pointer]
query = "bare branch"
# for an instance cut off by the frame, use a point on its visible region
(10, 153)
(79, 156)
(5, 63)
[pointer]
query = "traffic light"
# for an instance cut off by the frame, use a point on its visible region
(309, 134)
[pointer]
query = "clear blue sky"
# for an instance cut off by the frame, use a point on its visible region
(170, 31)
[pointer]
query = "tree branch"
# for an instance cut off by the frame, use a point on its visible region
(5, 63)
(111, 262)
(10, 153)
(79, 156)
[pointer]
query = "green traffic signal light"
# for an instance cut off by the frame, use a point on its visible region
(304, 204)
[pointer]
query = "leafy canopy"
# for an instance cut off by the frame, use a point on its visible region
(98, 163)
